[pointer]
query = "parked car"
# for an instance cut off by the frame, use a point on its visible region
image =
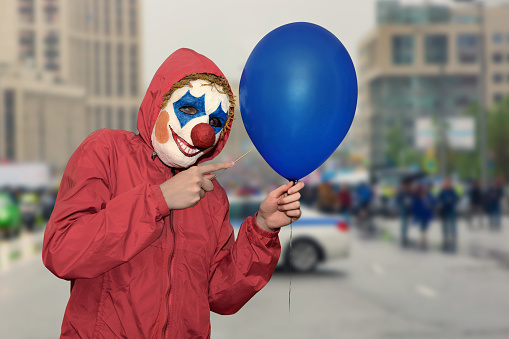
(10, 216)
(316, 237)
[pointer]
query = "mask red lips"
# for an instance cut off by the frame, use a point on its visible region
(187, 149)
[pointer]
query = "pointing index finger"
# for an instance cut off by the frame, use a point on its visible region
(208, 168)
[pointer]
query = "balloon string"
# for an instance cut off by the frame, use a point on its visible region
(290, 287)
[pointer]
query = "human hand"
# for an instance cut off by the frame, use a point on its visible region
(280, 207)
(188, 187)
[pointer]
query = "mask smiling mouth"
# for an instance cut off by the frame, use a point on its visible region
(187, 149)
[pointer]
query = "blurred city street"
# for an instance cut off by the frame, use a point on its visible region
(381, 291)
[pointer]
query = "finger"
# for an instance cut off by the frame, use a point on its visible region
(296, 188)
(207, 168)
(207, 185)
(202, 193)
(280, 190)
(289, 198)
(293, 214)
(291, 206)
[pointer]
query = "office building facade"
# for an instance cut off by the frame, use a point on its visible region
(70, 65)
(425, 61)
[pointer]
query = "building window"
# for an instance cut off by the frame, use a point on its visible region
(26, 11)
(52, 51)
(107, 73)
(97, 71)
(98, 123)
(468, 47)
(95, 15)
(132, 17)
(120, 118)
(134, 119)
(497, 78)
(120, 70)
(109, 118)
(497, 58)
(50, 9)
(403, 49)
(10, 123)
(497, 38)
(436, 49)
(498, 97)
(119, 17)
(27, 47)
(106, 16)
(133, 66)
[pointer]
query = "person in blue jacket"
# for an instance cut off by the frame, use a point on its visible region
(422, 209)
(447, 201)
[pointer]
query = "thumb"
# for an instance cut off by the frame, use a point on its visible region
(209, 176)
(280, 190)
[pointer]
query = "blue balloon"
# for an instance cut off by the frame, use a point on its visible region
(298, 94)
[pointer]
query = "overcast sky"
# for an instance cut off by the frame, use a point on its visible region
(227, 30)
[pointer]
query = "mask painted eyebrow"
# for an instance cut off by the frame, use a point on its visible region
(189, 100)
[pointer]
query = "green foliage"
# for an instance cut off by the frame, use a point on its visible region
(399, 153)
(497, 136)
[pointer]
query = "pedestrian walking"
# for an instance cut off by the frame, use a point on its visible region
(422, 209)
(345, 201)
(447, 201)
(493, 200)
(476, 205)
(404, 200)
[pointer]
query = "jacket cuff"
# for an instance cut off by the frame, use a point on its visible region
(261, 231)
(162, 207)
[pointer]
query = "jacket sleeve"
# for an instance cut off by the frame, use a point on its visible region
(242, 267)
(89, 231)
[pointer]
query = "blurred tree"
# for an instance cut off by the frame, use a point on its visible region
(498, 137)
(400, 153)
(467, 164)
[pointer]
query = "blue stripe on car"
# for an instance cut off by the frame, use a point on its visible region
(301, 222)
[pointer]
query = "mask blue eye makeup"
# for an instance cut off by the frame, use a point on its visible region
(189, 107)
(218, 119)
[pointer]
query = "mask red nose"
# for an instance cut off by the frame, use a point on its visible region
(203, 135)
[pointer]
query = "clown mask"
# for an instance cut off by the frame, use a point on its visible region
(190, 124)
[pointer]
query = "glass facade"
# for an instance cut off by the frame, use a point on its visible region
(468, 48)
(436, 49)
(403, 47)
(497, 38)
(392, 12)
(398, 101)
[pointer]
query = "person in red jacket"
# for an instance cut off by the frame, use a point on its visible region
(141, 228)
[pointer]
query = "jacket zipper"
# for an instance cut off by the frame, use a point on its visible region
(168, 291)
(170, 260)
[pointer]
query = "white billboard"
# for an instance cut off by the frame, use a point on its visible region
(460, 133)
(425, 133)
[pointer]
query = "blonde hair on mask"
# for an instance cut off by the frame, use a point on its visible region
(219, 83)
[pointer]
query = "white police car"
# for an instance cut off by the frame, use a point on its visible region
(316, 237)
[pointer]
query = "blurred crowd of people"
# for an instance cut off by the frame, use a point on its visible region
(419, 203)
(416, 202)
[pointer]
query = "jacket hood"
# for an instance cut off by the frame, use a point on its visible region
(179, 64)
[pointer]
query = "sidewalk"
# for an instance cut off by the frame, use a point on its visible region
(479, 243)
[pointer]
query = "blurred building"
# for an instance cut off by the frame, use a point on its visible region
(67, 68)
(424, 61)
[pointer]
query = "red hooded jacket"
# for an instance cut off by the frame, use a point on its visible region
(137, 269)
